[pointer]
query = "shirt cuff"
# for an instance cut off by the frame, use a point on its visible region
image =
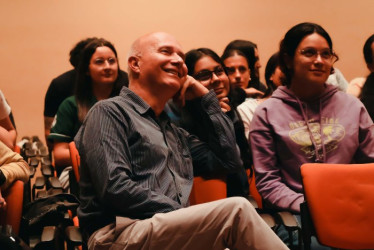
(210, 103)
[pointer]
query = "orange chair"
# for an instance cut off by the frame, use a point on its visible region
(74, 237)
(13, 212)
(340, 204)
(253, 190)
(75, 159)
(206, 190)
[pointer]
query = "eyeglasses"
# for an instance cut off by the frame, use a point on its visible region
(206, 75)
(326, 54)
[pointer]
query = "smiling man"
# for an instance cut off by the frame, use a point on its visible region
(136, 167)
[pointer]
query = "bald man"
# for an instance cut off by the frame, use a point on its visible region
(137, 171)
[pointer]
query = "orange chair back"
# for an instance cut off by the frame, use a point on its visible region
(206, 190)
(75, 159)
(340, 199)
(253, 189)
(13, 212)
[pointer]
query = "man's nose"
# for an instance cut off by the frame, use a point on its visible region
(177, 58)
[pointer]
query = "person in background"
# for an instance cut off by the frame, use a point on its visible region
(367, 97)
(337, 79)
(8, 133)
(137, 167)
(239, 73)
(61, 87)
(250, 51)
(207, 68)
(98, 78)
(274, 78)
(356, 86)
(12, 168)
(306, 121)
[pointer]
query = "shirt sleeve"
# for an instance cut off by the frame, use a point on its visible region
(4, 107)
(221, 152)
(63, 127)
(246, 111)
(105, 153)
(13, 166)
(267, 169)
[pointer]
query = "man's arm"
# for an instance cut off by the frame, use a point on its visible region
(269, 180)
(220, 153)
(12, 166)
(8, 133)
(105, 164)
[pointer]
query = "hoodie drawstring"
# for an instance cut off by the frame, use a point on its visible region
(318, 159)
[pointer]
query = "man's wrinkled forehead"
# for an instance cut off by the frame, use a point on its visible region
(155, 41)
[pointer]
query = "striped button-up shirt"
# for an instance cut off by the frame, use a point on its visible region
(134, 164)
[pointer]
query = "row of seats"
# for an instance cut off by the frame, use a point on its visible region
(338, 217)
(39, 213)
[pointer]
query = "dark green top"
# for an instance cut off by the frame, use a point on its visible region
(66, 123)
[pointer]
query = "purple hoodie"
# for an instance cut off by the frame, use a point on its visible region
(285, 132)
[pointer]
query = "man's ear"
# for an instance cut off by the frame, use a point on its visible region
(133, 64)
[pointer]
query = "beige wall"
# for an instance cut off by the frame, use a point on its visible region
(36, 36)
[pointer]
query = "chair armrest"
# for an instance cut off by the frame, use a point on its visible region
(48, 234)
(269, 220)
(39, 183)
(73, 235)
(55, 182)
(47, 170)
(288, 220)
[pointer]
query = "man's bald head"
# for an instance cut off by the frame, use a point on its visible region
(146, 42)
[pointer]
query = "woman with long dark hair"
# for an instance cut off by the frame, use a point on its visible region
(207, 68)
(250, 51)
(306, 121)
(98, 78)
(273, 77)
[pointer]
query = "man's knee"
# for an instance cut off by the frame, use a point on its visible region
(238, 203)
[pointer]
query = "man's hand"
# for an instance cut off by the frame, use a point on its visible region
(190, 89)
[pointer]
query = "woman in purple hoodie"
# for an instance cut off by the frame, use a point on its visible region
(306, 120)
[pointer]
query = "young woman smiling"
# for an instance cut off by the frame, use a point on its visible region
(98, 78)
(306, 120)
(206, 67)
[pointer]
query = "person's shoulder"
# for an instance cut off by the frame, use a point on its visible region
(65, 77)
(345, 99)
(249, 103)
(69, 103)
(358, 81)
(65, 81)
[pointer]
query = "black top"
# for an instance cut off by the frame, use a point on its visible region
(60, 88)
(367, 96)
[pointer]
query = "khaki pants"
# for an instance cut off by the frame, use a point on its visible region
(229, 223)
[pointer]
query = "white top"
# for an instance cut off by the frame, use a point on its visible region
(246, 111)
(4, 107)
(337, 79)
(355, 86)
